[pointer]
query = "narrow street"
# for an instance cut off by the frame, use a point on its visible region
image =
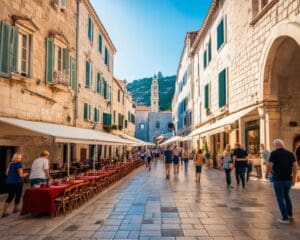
(146, 206)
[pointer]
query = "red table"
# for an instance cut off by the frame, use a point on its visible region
(41, 200)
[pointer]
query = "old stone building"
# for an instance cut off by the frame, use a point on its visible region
(150, 122)
(56, 79)
(245, 63)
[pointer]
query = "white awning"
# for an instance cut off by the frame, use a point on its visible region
(60, 133)
(222, 122)
(171, 140)
(135, 141)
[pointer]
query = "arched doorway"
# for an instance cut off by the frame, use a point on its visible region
(281, 89)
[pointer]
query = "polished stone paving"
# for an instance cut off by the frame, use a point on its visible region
(146, 206)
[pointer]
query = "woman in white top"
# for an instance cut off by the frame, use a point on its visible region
(40, 169)
(227, 164)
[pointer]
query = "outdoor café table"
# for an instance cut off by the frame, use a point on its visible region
(41, 200)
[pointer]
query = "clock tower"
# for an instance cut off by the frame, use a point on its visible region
(154, 95)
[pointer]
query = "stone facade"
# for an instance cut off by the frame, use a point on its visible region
(252, 65)
(61, 59)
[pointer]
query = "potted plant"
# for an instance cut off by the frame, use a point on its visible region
(114, 127)
(106, 127)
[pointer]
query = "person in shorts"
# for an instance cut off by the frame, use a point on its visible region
(175, 160)
(198, 165)
(168, 161)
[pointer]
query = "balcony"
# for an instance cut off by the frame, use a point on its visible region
(60, 81)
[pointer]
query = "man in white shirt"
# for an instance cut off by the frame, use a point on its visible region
(40, 169)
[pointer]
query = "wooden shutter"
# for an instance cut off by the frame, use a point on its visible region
(205, 59)
(90, 29)
(220, 34)
(85, 111)
(222, 88)
(14, 49)
(95, 114)
(89, 112)
(99, 83)
(66, 58)
(49, 59)
(4, 49)
(100, 43)
(209, 50)
(87, 74)
(206, 96)
(73, 73)
(105, 89)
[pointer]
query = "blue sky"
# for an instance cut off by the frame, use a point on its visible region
(149, 34)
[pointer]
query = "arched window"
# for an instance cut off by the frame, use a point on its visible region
(157, 124)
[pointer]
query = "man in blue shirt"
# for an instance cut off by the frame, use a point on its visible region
(284, 169)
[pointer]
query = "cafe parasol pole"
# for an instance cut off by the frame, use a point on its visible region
(68, 159)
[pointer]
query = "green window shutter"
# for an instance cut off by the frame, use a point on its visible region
(14, 49)
(99, 83)
(220, 34)
(222, 88)
(106, 57)
(85, 111)
(87, 74)
(4, 49)
(95, 115)
(49, 59)
(209, 50)
(105, 89)
(100, 43)
(205, 59)
(66, 58)
(73, 72)
(109, 119)
(90, 28)
(206, 96)
(89, 112)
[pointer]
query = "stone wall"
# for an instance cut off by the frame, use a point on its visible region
(163, 118)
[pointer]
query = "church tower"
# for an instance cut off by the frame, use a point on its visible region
(154, 95)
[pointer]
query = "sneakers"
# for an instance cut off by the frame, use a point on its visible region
(283, 221)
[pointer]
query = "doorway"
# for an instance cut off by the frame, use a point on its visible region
(6, 153)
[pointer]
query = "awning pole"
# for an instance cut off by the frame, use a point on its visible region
(94, 156)
(68, 159)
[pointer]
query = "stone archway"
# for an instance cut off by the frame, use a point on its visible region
(281, 89)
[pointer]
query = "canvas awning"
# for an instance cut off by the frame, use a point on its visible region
(221, 123)
(60, 133)
(135, 141)
(171, 140)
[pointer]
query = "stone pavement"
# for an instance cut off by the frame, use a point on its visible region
(146, 206)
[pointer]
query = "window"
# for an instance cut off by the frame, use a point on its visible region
(99, 83)
(142, 126)
(23, 60)
(89, 73)
(90, 29)
(73, 72)
(126, 123)
(100, 43)
(157, 124)
(220, 34)
(106, 90)
(106, 57)
(15, 50)
(205, 59)
(96, 115)
(87, 112)
(119, 95)
(129, 116)
(209, 51)
(206, 96)
(222, 88)
(107, 119)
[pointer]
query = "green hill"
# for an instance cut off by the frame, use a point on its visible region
(140, 90)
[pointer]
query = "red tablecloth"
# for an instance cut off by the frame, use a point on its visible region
(41, 200)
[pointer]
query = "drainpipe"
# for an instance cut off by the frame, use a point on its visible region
(76, 60)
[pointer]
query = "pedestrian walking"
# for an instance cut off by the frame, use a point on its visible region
(168, 161)
(198, 165)
(149, 159)
(265, 156)
(240, 158)
(249, 169)
(227, 164)
(40, 169)
(14, 180)
(185, 156)
(175, 160)
(284, 169)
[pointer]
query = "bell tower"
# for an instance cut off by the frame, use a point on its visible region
(154, 95)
